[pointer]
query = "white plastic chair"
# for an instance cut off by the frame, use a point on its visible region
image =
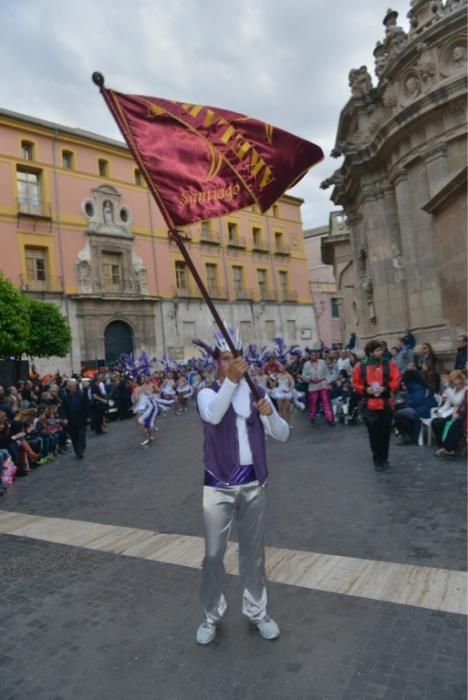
(426, 427)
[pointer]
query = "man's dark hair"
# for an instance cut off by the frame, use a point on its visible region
(371, 346)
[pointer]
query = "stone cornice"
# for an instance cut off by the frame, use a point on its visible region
(455, 185)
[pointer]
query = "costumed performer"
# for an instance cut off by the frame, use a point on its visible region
(235, 486)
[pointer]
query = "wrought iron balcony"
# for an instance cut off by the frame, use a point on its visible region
(261, 245)
(48, 284)
(27, 206)
(267, 294)
(186, 292)
(288, 295)
(210, 237)
(236, 241)
(217, 292)
(242, 293)
(282, 249)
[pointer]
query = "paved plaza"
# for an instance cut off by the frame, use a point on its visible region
(100, 559)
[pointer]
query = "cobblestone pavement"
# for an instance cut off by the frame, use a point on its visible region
(77, 624)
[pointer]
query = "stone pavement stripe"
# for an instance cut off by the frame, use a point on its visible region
(404, 584)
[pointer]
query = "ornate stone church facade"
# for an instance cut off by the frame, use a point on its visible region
(402, 182)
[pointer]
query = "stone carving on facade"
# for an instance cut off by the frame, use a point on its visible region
(395, 36)
(105, 214)
(336, 179)
(453, 57)
(84, 271)
(141, 275)
(390, 96)
(381, 59)
(423, 14)
(426, 65)
(360, 82)
(108, 212)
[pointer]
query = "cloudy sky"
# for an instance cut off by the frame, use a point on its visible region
(284, 62)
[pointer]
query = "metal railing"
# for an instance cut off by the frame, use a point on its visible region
(288, 295)
(186, 292)
(260, 244)
(34, 207)
(217, 292)
(282, 249)
(210, 237)
(236, 241)
(49, 284)
(267, 294)
(243, 293)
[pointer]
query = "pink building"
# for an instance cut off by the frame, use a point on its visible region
(79, 228)
(322, 288)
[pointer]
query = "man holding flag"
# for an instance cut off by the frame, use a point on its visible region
(202, 162)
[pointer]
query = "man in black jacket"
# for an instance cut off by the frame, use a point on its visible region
(75, 412)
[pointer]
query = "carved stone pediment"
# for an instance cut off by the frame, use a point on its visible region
(105, 214)
(108, 262)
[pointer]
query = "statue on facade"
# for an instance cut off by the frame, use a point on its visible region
(85, 276)
(395, 36)
(381, 58)
(360, 82)
(108, 212)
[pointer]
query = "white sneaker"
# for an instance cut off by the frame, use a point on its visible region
(145, 442)
(206, 632)
(267, 628)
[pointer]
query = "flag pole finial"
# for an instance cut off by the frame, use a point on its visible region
(98, 79)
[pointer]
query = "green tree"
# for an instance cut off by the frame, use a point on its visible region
(14, 320)
(49, 332)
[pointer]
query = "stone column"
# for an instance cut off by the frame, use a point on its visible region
(435, 160)
(424, 302)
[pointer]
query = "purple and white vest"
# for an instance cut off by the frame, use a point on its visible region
(221, 448)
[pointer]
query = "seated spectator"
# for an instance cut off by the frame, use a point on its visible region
(405, 358)
(387, 355)
(409, 340)
(419, 401)
(427, 357)
(5, 406)
(14, 399)
(450, 424)
(461, 357)
(343, 362)
(430, 377)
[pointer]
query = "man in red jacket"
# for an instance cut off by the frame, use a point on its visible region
(376, 379)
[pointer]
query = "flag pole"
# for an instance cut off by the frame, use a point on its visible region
(174, 234)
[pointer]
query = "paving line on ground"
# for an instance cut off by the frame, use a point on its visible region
(404, 584)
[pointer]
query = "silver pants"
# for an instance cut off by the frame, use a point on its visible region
(220, 505)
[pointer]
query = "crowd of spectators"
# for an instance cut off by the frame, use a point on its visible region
(41, 418)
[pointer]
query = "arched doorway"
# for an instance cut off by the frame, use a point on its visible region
(118, 338)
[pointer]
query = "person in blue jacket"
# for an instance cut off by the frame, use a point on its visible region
(419, 401)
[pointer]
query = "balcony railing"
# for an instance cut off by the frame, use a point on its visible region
(33, 207)
(49, 284)
(243, 293)
(288, 295)
(187, 292)
(210, 237)
(267, 294)
(217, 292)
(236, 241)
(282, 249)
(260, 245)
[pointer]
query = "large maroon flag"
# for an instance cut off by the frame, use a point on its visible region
(203, 162)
